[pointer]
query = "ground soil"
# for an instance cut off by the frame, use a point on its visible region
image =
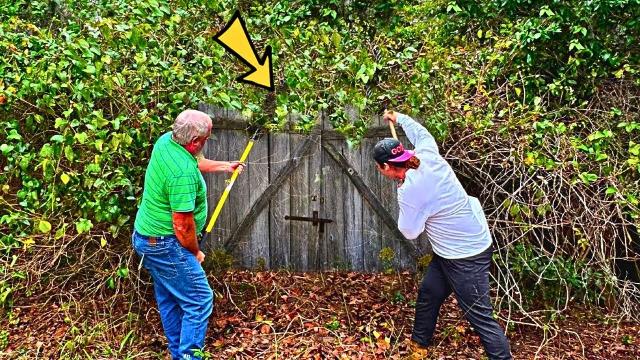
(269, 315)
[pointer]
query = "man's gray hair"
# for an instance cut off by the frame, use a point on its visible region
(189, 125)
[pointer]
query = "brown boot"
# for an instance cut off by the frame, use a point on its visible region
(417, 351)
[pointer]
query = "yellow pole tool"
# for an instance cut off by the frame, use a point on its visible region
(225, 194)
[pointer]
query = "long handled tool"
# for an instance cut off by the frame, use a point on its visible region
(227, 190)
(392, 127)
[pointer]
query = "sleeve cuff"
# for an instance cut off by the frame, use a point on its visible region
(400, 118)
(183, 210)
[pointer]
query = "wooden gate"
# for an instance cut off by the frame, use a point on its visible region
(305, 201)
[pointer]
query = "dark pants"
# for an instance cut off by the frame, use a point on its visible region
(468, 279)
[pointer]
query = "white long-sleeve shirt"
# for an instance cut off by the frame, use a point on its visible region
(432, 199)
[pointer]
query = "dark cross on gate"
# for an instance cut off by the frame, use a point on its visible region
(315, 220)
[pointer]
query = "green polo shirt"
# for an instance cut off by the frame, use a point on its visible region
(172, 183)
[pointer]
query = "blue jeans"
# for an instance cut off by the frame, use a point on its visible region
(183, 294)
(468, 279)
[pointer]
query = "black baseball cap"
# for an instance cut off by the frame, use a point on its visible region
(391, 150)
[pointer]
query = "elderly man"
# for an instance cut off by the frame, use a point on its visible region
(172, 212)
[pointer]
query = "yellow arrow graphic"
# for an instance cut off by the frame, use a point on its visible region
(235, 38)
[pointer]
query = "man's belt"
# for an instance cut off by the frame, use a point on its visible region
(152, 240)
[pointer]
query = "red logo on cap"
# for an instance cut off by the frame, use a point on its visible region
(397, 150)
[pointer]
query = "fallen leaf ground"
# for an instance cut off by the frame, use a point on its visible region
(282, 315)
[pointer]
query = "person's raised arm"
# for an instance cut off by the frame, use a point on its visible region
(418, 135)
(208, 166)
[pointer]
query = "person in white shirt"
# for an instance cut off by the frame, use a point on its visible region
(432, 199)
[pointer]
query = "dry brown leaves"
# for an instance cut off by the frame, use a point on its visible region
(281, 315)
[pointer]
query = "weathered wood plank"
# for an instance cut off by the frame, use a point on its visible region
(224, 220)
(239, 198)
(258, 175)
(332, 189)
(371, 224)
(216, 149)
(280, 233)
(370, 197)
(353, 211)
(335, 255)
(300, 199)
(314, 177)
(352, 201)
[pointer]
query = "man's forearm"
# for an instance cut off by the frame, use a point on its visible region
(206, 165)
(185, 228)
